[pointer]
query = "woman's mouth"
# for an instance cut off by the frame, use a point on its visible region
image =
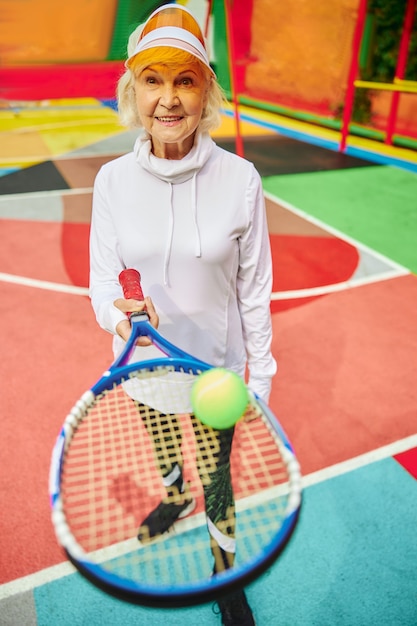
(169, 120)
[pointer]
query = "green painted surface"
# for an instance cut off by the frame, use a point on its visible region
(377, 206)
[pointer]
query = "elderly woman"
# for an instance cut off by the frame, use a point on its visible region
(190, 217)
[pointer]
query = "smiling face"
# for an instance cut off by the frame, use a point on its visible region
(170, 102)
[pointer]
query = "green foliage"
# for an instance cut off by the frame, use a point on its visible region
(362, 107)
(389, 21)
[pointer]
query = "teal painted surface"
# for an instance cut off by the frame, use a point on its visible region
(352, 561)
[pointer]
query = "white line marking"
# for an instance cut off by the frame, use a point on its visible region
(342, 286)
(72, 155)
(333, 231)
(46, 194)
(43, 284)
(398, 270)
(281, 295)
(28, 583)
(360, 461)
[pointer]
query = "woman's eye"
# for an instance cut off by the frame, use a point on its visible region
(148, 79)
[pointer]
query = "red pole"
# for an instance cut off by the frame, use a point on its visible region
(401, 67)
(353, 72)
(207, 24)
(233, 82)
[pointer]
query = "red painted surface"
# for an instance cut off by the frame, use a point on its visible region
(40, 82)
(75, 252)
(51, 354)
(408, 460)
(346, 386)
(301, 262)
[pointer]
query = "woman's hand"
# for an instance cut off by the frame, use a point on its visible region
(123, 328)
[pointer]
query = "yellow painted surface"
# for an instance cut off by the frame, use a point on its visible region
(402, 86)
(22, 150)
(228, 127)
(291, 124)
(394, 152)
(31, 135)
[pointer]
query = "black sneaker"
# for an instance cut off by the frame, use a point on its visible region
(235, 610)
(163, 517)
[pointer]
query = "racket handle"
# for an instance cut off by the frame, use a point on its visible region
(130, 282)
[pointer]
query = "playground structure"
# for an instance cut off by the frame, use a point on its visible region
(306, 61)
(397, 87)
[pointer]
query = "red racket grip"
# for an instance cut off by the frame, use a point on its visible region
(130, 282)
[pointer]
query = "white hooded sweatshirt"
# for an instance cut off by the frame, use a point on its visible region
(196, 231)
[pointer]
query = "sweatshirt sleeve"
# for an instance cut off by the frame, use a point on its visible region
(105, 260)
(254, 287)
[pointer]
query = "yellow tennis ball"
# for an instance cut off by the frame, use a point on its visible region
(219, 398)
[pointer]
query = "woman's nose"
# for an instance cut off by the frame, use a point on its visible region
(169, 96)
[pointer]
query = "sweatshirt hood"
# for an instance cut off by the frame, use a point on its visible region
(174, 171)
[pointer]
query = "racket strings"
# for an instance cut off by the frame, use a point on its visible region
(90, 452)
(113, 479)
(258, 451)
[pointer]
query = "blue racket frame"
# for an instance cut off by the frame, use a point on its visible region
(145, 594)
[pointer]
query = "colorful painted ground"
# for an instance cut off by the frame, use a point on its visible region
(343, 230)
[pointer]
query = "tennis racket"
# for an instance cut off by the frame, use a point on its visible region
(105, 481)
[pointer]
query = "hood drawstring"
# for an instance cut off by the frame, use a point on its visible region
(194, 210)
(171, 221)
(168, 248)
